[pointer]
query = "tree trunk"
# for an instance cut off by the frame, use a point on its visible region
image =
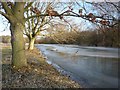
(18, 45)
(31, 43)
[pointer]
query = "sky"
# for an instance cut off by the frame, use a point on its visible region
(4, 27)
(102, 0)
(65, 0)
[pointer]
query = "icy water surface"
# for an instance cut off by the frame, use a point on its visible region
(92, 67)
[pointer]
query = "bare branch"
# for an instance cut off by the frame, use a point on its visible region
(4, 14)
(29, 5)
(6, 8)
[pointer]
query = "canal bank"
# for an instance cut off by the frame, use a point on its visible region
(38, 74)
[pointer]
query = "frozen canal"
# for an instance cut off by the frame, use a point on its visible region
(92, 67)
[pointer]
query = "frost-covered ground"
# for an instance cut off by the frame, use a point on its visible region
(38, 74)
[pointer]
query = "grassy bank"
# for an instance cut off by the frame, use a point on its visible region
(38, 74)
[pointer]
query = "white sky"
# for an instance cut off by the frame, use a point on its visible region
(103, 0)
(7, 31)
(64, 0)
(4, 27)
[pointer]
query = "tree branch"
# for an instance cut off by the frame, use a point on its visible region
(4, 14)
(6, 8)
(74, 14)
(29, 5)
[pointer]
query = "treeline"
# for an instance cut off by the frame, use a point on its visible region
(5, 39)
(108, 37)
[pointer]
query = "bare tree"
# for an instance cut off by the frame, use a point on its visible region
(35, 25)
